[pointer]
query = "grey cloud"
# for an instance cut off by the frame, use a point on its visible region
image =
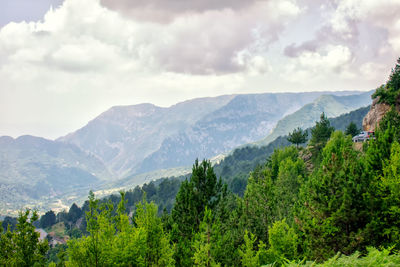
(294, 50)
(210, 43)
(166, 10)
(325, 36)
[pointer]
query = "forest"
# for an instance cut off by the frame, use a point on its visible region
(327, 203)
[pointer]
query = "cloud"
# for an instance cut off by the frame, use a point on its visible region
(294, 50)
(356, 39)
(85, 35)
(86, 56)
(83, 57)
(384, 14)
(331, 60)
(166, 10)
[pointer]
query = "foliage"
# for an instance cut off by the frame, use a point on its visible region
(320, 135)
(374, 257)
(9, 223)
(201, 191)
(298, 136)
(335, 211)
(48, 219)
(235, 168)
(292, 209)
(113, 240)
(57, 254)
(352, 129)
(340, 123)
(74, 213)
(205, 241)
(272, 191)
(389, 92)
(283, 242)
(22, 247)
(389, 190)
(249, 256)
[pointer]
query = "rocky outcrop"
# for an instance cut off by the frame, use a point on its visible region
(375, 114)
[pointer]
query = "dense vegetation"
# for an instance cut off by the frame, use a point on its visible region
(328, 204)
(389, 92)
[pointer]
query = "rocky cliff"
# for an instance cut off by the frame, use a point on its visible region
(376, 113)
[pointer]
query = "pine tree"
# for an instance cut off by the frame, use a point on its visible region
(352, 129)
(205, 241)
(320, 135)
(201, 191)
(22, 247)
(335, 212)
(283, 242)
(249, 256)
(298, 136)
(48, 219)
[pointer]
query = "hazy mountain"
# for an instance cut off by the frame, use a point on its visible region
(124, 135)
(141, 138)
(34, 169)
(244, 119)
(142, 142)
(305, 117)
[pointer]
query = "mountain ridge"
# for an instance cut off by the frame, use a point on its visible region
(138, 138)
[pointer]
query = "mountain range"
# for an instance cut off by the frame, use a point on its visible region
(141, 138)
(127, 145)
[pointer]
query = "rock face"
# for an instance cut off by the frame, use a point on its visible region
(375, 114)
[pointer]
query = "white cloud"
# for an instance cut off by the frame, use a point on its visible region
(318, 65)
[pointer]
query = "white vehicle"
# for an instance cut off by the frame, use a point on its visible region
(363, 136)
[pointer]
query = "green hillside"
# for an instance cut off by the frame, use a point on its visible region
(305, 117)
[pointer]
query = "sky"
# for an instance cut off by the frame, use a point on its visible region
(62, 63)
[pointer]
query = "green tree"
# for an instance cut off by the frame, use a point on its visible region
(384, 227)
(204, 242)
(251, 257)
(22, 247)
(320, 134)
(272, 191)
(352, 129)
(158, 251)
(298, 136)
(74, 213)
(390, 193)
(48, 219)
(112, 240)
(389, 93)
(283, 242)
(9, 223)
(335, 212)
(200, 191)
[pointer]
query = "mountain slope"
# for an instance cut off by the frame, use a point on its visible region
(124, 135)
(246, 118)
(305, 117)
(142, 138)
(34, 169)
